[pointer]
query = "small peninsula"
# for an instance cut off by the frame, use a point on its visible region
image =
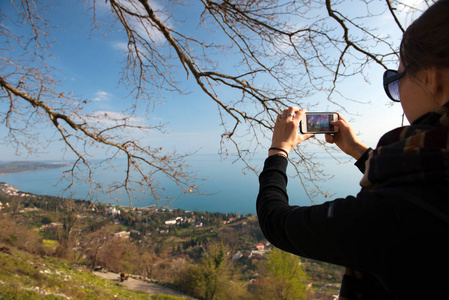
(27, 166)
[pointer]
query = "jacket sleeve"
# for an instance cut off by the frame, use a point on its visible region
(360, 163)
(343, 231)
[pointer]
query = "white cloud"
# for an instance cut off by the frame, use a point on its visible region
(122, 46)
(409, 10)
(114, 118)
(143, 27)
(101, 96)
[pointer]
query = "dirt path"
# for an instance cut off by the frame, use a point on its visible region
(143, 286)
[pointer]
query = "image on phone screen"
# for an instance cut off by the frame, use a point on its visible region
(317, 123)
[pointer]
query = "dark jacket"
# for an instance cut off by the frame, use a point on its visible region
(401, 247)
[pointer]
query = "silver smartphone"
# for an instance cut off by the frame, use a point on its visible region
(318, 122)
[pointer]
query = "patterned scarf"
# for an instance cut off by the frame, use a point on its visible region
(415, 153)
(409, 154)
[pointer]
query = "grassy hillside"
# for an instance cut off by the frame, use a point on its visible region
(26, 276)
(207, 255)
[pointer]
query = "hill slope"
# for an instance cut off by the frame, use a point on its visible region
(25, 276)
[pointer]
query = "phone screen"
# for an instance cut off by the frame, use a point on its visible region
(315, 122)
(319, 122)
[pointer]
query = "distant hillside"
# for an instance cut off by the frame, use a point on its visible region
(65, 239)
(26, 166)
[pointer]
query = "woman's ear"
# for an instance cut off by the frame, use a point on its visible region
(437, 81)
(431, 80)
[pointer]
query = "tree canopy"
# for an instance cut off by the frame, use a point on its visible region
(251, 58)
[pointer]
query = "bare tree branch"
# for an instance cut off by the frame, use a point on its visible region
(251, 58)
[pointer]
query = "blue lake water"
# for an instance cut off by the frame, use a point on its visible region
(229, 189)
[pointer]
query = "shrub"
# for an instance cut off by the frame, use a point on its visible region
(46, 220)
(19, 236)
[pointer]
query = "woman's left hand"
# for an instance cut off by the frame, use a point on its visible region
(285, 134)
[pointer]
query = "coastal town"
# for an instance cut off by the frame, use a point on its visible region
(186, 217)
(163, 245)
(9, 190)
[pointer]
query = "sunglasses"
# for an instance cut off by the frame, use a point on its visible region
(391, 83)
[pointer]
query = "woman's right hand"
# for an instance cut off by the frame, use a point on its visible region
(346, 139)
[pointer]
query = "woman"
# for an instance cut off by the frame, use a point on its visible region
(392, 236)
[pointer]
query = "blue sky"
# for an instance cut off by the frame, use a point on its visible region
(89, 63)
